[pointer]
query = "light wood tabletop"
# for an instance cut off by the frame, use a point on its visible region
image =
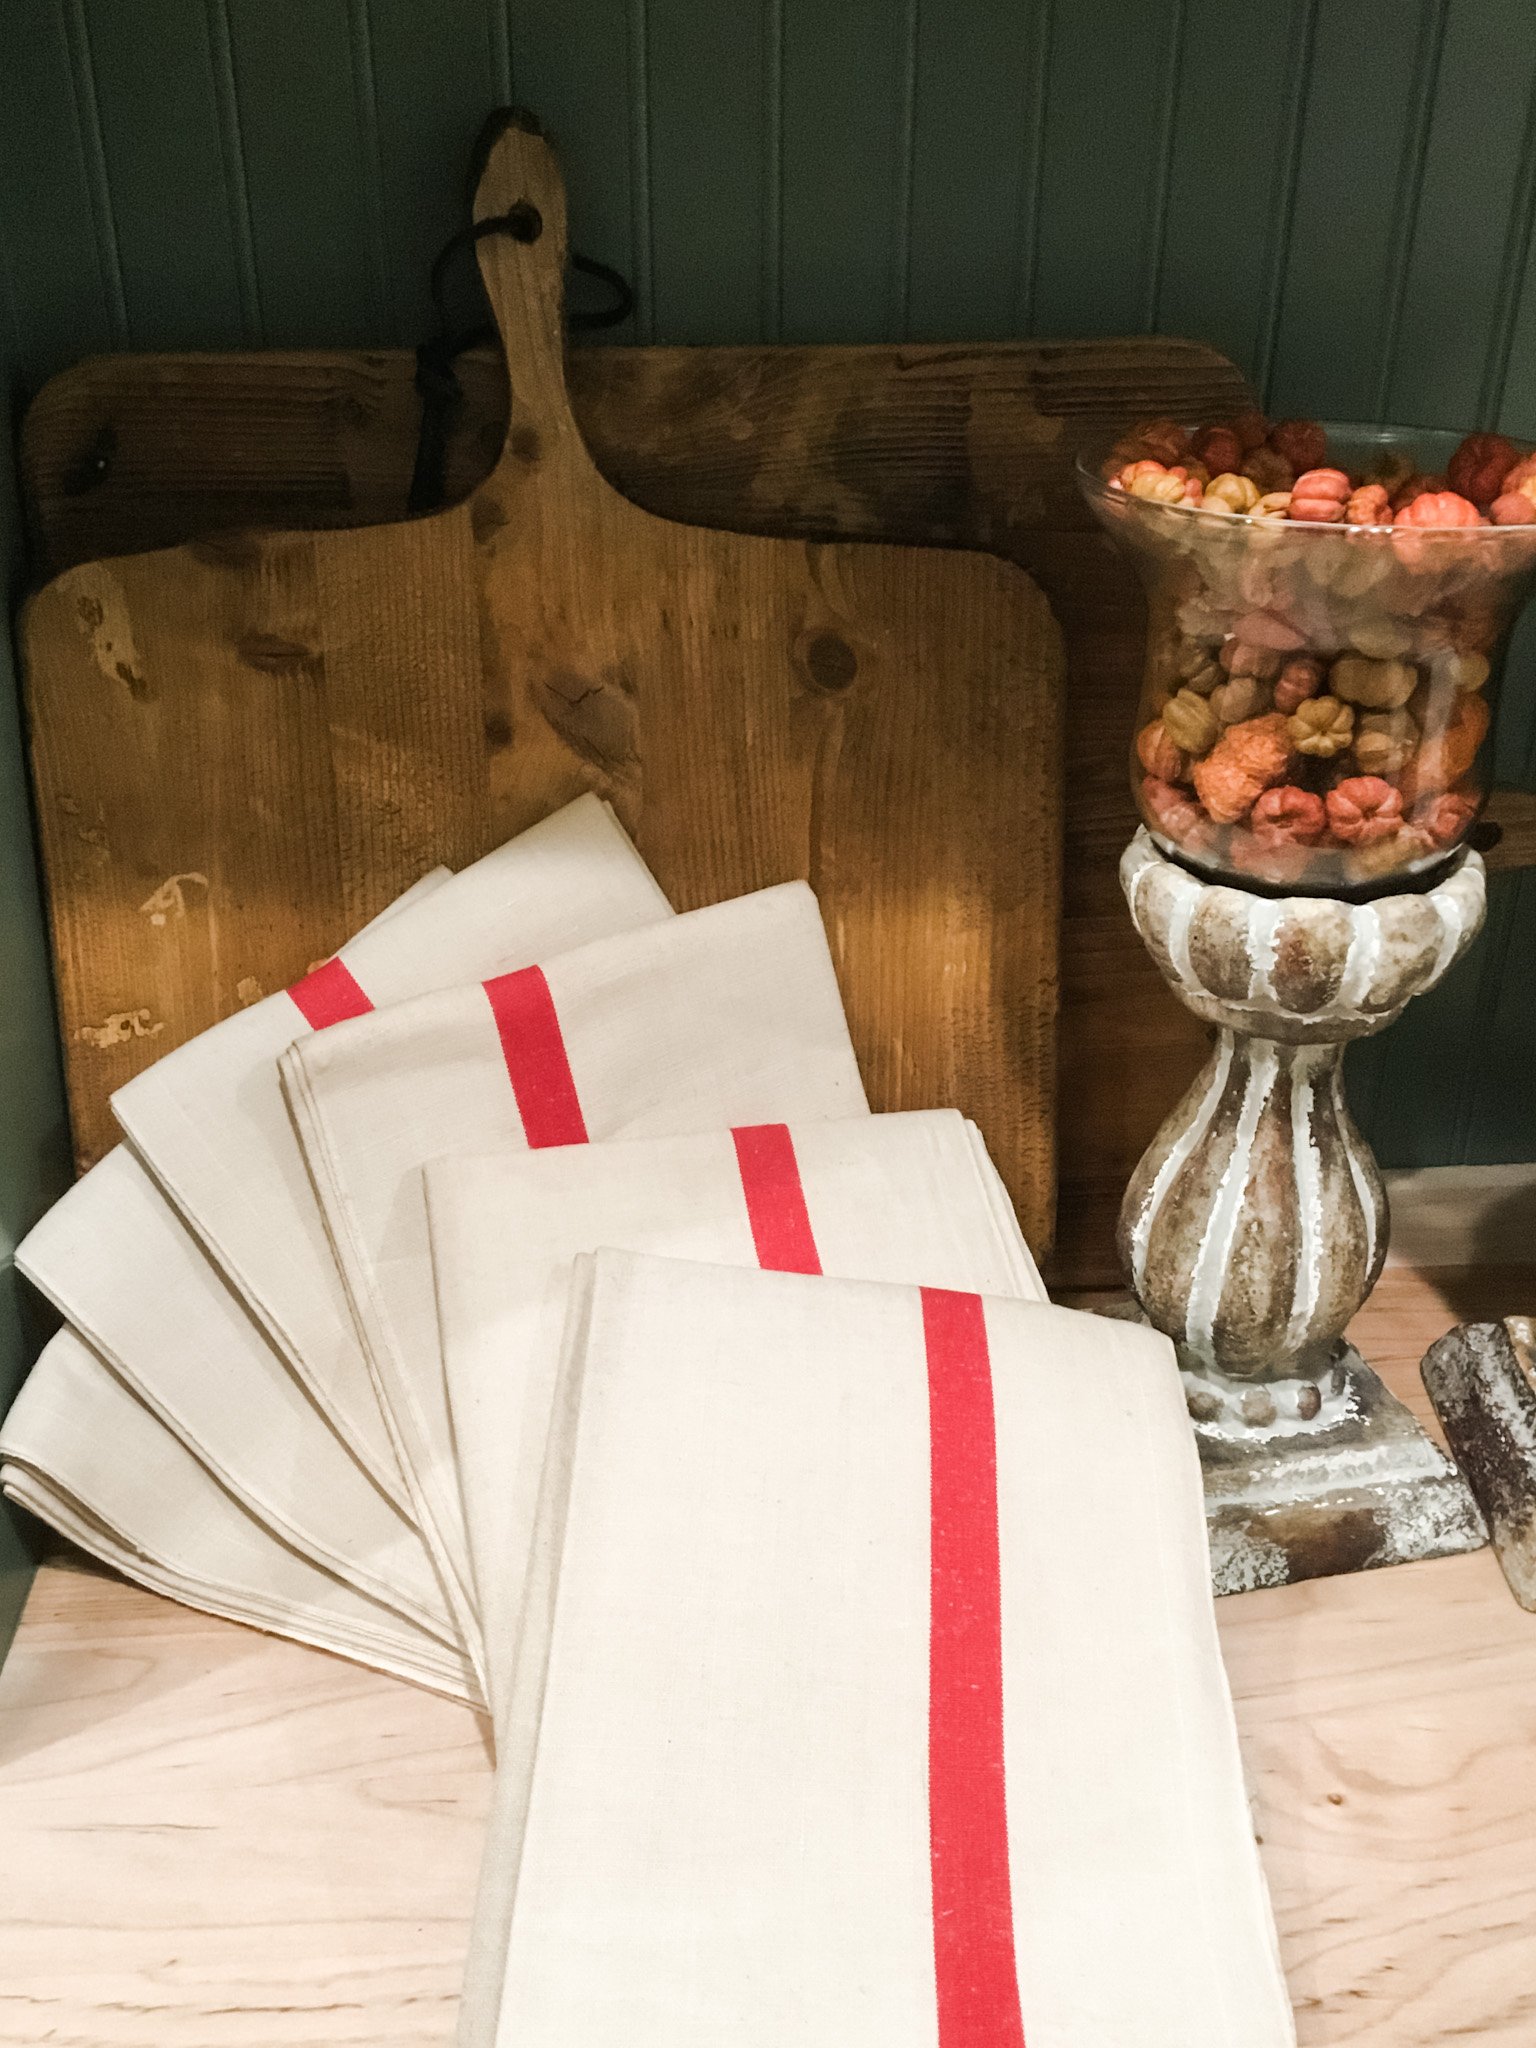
(213, 1840)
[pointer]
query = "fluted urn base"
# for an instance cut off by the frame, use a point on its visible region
(1256, 1224)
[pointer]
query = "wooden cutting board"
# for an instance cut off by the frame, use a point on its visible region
(243, 747)
(969, 446)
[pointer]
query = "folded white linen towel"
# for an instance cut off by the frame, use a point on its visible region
(906, 1197)
(88, 1458)
(726, 1015)
(120, 1265)
(879, 1697)
(209, 1121)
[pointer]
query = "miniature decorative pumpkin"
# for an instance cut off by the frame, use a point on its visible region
(1269, 470)
(1244, 697)
(1444, 818)
(1219, 448)
(1378, 685)
(1363, 809)
(1158, 754)
(1288, 814)
(1445, 756)
(1190, 722)
(1301, 443)
(1301, 678)
(1322, 727)
(1176, 814)
(1478, 468)
(1242, 764)
(1369, 506)
(1236, 493)
(1320, 495)
(1439, 508)
(1384, 742)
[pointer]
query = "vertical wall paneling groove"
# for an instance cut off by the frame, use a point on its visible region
(1218, 247)
(1358, 113)
(60, 282)
(705, 238)
(233, 156)
(1459, 277)
(640, 169)
(88, 113)
(1410, 184)
(900, 316)
(970, 167)
(1026, 264)
(1513, 269)
(433, 86)
(501, 53)
(310, 172)
(1339, 193)
(771, 175)
(1104, 123)
(154, 88)
(571, 62)
(363, 86)
(1157, 239)
(1277, 242)
(842, 139)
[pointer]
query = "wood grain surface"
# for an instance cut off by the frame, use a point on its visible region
(967, 446)
(245, 746)
(223, 1841)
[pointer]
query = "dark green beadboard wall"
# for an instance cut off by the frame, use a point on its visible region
(1340, 193)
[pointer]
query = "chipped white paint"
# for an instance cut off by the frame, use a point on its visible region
(170, 899)
(1360, 1177)
(119, 1028)
(1308, 1167)
(1284, 1327)
(1178, 1152)
(1263, 925)
(105, 621)
(1208, 1281)
(1360, 963)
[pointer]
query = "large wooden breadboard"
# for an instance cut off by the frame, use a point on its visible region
(243, 747)
(966, 445)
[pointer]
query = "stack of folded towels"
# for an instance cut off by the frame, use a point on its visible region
(527, 1304)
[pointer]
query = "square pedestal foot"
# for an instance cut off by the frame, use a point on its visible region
(1363, 1486)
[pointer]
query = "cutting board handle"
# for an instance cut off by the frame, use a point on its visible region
(522, 261)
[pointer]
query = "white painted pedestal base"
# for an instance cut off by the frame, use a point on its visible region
(1256, 1224)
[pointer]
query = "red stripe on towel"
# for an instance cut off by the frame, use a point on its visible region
(770, 1180)
(975, 1969)
(534, 1050)
(329, 994)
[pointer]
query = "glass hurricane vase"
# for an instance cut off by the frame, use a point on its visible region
(1316, 702)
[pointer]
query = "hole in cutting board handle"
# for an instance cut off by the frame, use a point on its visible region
(523, 222)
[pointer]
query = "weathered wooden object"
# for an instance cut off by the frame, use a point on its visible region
(244, 746)
(970, 446)
(1256, 1224)
(1482, 1380)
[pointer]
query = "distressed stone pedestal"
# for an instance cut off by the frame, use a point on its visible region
(1256, 1223)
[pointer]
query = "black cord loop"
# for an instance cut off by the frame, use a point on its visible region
(437, 381)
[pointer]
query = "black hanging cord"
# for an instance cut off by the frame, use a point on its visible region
(436, 378)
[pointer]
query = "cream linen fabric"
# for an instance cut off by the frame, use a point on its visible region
(727, 1835)
(209, 1122)
(83, 1454)
(117, 1261)
(726, 1015)
(907, 1197)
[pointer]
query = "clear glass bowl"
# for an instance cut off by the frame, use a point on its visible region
(1316, 701)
